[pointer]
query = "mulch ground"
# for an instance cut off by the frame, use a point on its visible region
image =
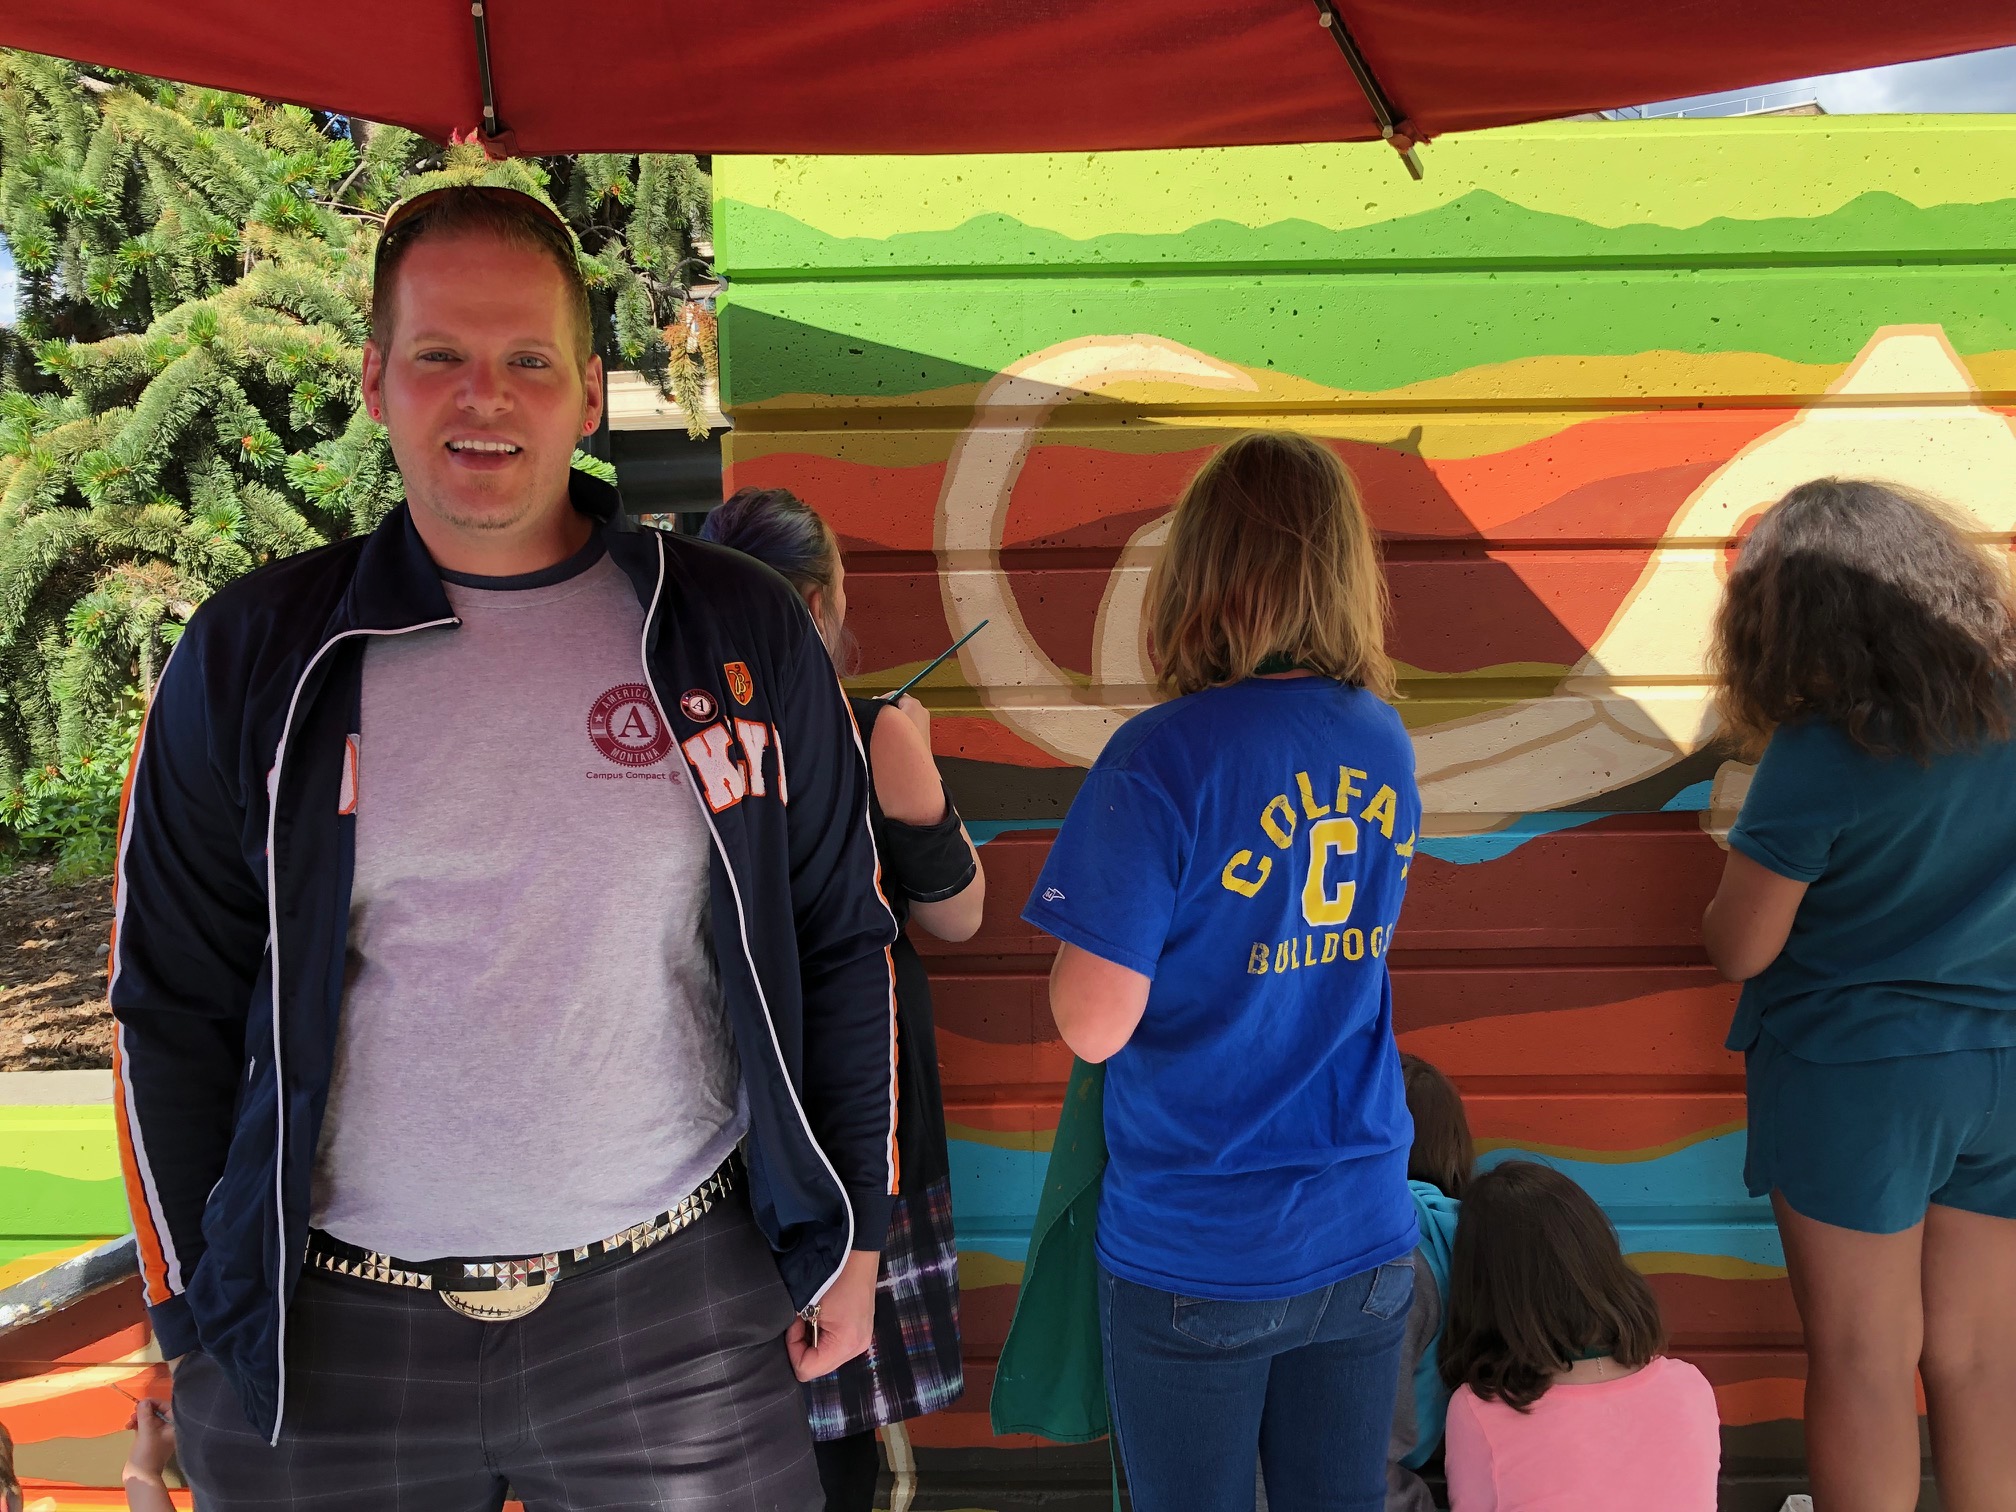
(53, 944)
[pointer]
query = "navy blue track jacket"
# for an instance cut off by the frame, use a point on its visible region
(234, 874)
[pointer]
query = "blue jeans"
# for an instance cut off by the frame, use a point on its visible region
(1199, 1388)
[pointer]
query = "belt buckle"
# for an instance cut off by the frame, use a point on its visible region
(496, 1306)
(515, 1295)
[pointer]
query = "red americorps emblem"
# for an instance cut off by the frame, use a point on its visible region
(625, 727)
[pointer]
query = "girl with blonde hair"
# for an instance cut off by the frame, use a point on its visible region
(1226, 887)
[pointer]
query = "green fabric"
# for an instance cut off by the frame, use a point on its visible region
(1052, 1377)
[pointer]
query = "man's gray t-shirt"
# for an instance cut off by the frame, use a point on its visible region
(533, 1052)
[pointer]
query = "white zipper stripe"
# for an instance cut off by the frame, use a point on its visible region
(273, 950)
(888, 954)
(742, 930)
(170, 1260)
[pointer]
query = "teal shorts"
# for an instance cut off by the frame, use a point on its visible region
(1869, 1145)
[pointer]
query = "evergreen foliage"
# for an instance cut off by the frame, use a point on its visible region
(179, 392)
(72, 810)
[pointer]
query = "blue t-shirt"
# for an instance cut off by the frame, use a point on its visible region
(1905, 943)
(1246, 848)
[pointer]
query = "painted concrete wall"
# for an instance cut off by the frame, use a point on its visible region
(1565, 369)
(67, 1386)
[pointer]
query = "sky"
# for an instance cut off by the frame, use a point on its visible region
(1982, 81)
(1969, 82)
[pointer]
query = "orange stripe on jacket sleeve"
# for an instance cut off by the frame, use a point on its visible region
(153, 1257)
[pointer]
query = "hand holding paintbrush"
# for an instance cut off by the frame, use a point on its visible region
(153, 1426)
(896, 697)
(918, 714)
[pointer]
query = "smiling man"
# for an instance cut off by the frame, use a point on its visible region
(504, 1039)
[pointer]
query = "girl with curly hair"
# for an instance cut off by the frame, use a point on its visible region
(1866, 647)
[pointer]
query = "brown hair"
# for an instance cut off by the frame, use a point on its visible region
(1270, 555)
(10, 1483)
(1443, 1152)
(509, 215)
(1866, 606)
(1537, 1281)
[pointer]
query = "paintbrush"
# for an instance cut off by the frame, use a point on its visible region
(932, 665)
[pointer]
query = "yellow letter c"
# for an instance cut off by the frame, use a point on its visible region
(1243, 886)
(1319, 905)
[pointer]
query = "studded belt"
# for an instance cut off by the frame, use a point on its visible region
(496, 1290)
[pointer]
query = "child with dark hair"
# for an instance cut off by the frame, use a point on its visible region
(1438, 1169)
(1562, 1398)
(1866, 645)
(1438, 1172)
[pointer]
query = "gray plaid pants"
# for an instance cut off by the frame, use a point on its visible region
(660, 1382)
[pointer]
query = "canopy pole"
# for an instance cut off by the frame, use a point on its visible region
(1396, 130)
(492, 127)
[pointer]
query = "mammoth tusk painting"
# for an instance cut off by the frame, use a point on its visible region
(1906, 409)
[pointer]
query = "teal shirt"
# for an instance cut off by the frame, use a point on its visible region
(1436, 1213)
(1905, 943)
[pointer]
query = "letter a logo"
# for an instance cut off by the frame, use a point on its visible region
(739, 683)
(625, 727)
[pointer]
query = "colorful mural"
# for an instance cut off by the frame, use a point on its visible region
(67, 1385)
(1566, 369)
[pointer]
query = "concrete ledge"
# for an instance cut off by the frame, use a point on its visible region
(21, 1089)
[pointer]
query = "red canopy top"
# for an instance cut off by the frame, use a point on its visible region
(984, 75)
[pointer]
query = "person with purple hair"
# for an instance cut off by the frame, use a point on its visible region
(932, 875)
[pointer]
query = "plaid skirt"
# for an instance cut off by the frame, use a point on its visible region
(912, 1367)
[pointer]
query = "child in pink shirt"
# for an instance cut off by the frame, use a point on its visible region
(1563, 1401)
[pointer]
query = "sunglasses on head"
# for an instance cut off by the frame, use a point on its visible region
(409, 213)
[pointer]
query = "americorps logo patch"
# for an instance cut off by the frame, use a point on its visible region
(625, 727)
(697, 704)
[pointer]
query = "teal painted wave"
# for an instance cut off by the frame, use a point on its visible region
(983, 830)
(1468, 850)
(1691, 1202)
(1462, 850)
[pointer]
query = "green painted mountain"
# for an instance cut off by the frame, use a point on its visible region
(758, 242)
